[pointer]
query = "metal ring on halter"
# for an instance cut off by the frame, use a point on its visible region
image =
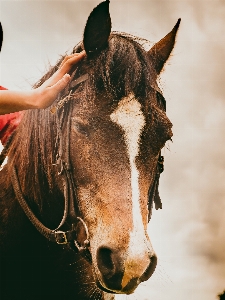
(86, 242)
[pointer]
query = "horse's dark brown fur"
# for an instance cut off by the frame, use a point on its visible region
(32, 267)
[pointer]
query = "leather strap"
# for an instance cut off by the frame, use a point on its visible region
(57, 236)
(79, 80)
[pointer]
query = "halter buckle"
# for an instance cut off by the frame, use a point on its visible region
(60, 237)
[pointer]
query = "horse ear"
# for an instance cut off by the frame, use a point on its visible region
(1, 36)
(161, 51)
(97, 29)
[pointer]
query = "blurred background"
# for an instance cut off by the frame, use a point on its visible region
(188, 234)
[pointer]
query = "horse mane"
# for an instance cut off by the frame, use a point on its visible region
(123, 68)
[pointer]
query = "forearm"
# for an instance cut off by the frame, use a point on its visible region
(12, 101)
(43, 96)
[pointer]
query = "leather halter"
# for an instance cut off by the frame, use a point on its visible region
(71, 209)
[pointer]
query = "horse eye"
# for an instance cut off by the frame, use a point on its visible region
(81, 128)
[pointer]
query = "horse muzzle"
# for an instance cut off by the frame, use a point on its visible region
(121, 274)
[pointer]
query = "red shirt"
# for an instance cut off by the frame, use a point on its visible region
(8, 123)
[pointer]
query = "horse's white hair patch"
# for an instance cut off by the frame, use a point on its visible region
(129, 116)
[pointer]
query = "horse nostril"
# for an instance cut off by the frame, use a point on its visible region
(111, 267)
(105, 262)
(150, 270)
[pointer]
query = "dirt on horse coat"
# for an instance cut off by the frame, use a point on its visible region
(110, 127)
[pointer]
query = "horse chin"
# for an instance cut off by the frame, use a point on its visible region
(114, 284)
(101, 287)
(129, 289)
(106, 290)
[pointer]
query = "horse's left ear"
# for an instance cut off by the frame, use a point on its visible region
(161, 51)
(97, 29)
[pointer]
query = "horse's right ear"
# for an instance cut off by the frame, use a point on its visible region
(161, 51)
(97, 29)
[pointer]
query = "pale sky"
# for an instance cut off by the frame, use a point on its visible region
(188, 235)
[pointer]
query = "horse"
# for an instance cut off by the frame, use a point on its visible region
(82, 176)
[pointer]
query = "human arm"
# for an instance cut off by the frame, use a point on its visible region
(43, 96)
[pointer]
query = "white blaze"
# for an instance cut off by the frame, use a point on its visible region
(129, 116)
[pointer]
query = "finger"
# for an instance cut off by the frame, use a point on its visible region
(61, 84)
(70, 60)
(66, 59)
(82, 53)
(65, 67)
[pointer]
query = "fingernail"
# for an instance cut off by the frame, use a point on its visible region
(66, 77)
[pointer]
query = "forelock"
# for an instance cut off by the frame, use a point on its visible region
(121, 69)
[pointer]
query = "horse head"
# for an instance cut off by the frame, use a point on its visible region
(117, 128)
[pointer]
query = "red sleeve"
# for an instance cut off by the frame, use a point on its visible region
(8, 123)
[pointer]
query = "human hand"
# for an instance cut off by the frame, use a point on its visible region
(49, 90)
(44, 95)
